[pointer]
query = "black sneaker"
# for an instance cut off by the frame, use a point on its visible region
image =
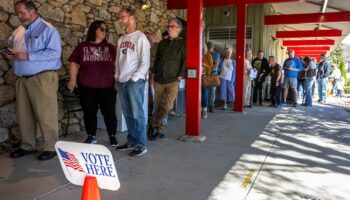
(138, 151)
(125, 147)
(295, 104)
(113, 141)
(91, 140)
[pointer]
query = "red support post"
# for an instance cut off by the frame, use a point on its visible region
(307, 18)
(309, 48)
(193, 85)
(307, 42)
(240, 55)
(308, 33)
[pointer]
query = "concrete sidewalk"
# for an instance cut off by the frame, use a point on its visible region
(266, 153)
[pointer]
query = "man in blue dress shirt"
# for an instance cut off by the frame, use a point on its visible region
(35, 52)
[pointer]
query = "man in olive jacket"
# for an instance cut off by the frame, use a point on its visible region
(168, 68)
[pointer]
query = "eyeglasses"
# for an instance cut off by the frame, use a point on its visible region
(103, 29)
(172, 26)
(122, 17)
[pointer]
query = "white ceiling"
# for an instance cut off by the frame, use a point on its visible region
(315, 6)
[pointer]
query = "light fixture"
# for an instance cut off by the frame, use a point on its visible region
(146, 4)
(227, 13)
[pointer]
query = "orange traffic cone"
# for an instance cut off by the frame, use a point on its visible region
(90, 189)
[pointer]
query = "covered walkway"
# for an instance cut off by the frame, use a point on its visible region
(265, 153)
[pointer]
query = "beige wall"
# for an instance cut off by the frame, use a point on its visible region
(255, 18)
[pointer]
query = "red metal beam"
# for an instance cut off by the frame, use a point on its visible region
(310, 48)
(310, 52)
(182, 4)
(307, 18)
(307, 42)
(193, 85)
(269, 1)
(240, 56)
(308, 33)
(312, 56)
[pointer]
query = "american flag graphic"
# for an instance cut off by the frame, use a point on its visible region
(70, 160)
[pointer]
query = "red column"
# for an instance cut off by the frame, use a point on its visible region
(193, 85)
(240, 54)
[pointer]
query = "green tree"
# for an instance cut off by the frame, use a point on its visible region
(342, 69)
(337, 57)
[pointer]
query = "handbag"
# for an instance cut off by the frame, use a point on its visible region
(210, 80)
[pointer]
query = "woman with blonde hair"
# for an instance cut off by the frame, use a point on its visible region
(207, 66)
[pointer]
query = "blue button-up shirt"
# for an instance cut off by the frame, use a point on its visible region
(42, 42)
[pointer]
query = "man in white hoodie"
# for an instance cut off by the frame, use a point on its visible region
(132, 65)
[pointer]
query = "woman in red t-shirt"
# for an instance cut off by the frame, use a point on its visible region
(91, 70)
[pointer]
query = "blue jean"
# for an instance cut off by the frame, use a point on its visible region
(308, 85)
(322, 88)
(131, 96)
(205, 94)
(301, 89)
(211, 96)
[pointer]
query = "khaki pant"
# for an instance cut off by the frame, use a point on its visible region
(247, 91)
(165, 95)
(37, 106)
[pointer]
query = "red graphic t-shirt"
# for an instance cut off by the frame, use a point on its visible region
(96, 63)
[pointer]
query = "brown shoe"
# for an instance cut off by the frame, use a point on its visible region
(211, 109)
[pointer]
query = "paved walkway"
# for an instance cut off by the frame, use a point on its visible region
(267, 153)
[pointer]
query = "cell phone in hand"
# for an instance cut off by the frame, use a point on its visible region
(6, 51)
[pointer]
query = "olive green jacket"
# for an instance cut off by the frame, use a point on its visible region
(170, 61)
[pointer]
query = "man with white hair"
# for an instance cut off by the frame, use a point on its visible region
(169, 67)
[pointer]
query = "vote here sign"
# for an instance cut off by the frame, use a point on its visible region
(79, 160)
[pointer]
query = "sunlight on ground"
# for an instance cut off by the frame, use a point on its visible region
(310, 159)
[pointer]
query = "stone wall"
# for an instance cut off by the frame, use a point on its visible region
(71, 17)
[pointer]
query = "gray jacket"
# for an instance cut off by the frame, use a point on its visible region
(324, 69)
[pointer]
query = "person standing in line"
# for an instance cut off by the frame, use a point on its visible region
(168, 69)
(247, 79)
(91, 70)
(227, 71)
(276, 80)
(336, 76)
(323, 72)
(291, 67)
(131, 71)
(207, 66)
(212, 90)
(301, 83)
(35, 50)
(261, 64)
(310, 74)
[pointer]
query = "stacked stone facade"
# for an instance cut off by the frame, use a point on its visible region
(71, 18)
